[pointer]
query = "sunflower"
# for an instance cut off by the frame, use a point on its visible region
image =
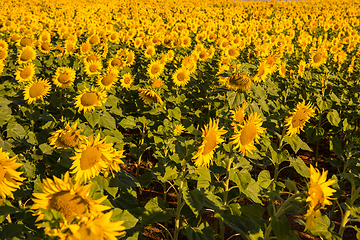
(190, 64)
(10, 179)
(127, 80)
(64, 77)
(91, 227)
(262, 73)
(181, 76)
(302, 66)
(149, 51)
(91, 57)
(299, 117)
(233, 52)
(26, 41)
(247, 134)
(91, 157)
(108, 79)
(149, 96)
(317, 57)
(239, 81)
(70, 47)
(27, 54)
(85, 48)
(2, 66)
(154, 69)
(88, 99)
(157, 83)
(116, 62)
(93, 67)
(282, 70)
(179, 129)
(3, 45)
(238, 115)
(211, 135)
(130, 58)
(70, 199)
(66, 138)
(3, 53)
(36, 90)
(319, 194)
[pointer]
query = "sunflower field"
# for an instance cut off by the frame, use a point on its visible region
(216, 120)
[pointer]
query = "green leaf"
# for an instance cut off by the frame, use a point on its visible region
(322, 225)
(333, 118)
(46, 149)
(5, 210)
(107, 121)
(203, 232)
(241, 178)
(11, 230)
(124, 215)
(264, 179)
(29, 169)
(5, 145)
(5, 115)
(128, 122)
(170, 173)
(175, 113)
(194, 199)
(300, 167)
(281, 228)
(214, 202)
(323, 105)
(93, 118)
(296, 143)
(15, 130)
(253, 191)
(335, 146)
(155, 211)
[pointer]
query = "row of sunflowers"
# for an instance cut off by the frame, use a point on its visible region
(227, 109)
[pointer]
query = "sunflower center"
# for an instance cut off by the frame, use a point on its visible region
(89, 99)
(107, 80)
(94, 40)
(64, 78)
(45, 46)
(26, 55)
(113, 36)
(93, 68)
(210, 142)
(181, 77)
(25, 42)
(68, 204)
(25, 73)
(317, 58)
(299, 118)
(155, 69)
(89, 157)
(126, 80)
(115, 62)
(248, 134)
(69, 139)
(37, 90)
(91, 58)
(261, 71)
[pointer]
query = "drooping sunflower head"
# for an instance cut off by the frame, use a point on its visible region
(88, 99)
(27, 54)
(211, 135)
(36, 90)
(181, 76)
(247, 134)
(64, 77)
(239, 81)
(299, 117)
(91, 157)
(10, 179)
(70, 199)
(127, 80)
(108, 79)
(66, 138)
(150, 96)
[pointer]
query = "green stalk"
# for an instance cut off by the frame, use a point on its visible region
(281, 210)
(180, 204)
(317, 143)
(226, 193)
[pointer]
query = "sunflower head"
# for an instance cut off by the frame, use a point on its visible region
(181, 76)
(127, 80)
(211, 135)
(10, 179)
(27, 54)
(155, 68)
(93, 67)
(64, 77)
(150, 96)
(299, 117)
(66, 138)
(88, 99)
(239, 81)
(36, 90)
(108, 79)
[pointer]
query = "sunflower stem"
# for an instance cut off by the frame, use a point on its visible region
(178, 210)
(318, 143)
(344, 220)
(226, 193)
